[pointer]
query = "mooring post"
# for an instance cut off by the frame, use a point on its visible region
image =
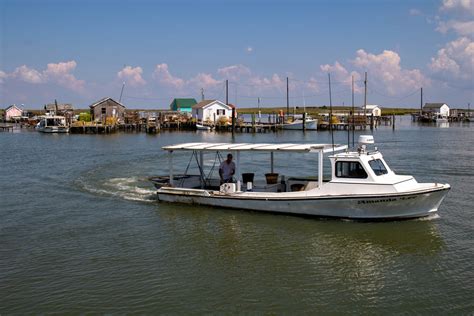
(233, 120)
(253, 122)
(393, 121)
(304, 121)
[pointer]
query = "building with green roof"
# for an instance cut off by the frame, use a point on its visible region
(182, 105)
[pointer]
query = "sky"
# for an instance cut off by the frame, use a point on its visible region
(79, 51)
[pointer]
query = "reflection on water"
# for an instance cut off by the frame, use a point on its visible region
(81, 230)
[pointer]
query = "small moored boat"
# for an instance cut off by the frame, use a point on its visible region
(201, 127)
(52, 124)
(362, 186)
(309, 124)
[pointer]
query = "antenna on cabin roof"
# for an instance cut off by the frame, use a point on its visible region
(330, 114)
(121, 92)
(202, 94)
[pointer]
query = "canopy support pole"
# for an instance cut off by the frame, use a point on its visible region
(237, 168)
(201, 163)
(320, 168)
(271, 161)
(170, 165)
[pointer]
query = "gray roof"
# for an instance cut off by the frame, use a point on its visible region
(61, 107)
(103, 100)
(202, 104)
(433, 105)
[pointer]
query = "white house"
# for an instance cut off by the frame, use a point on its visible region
(373, 109)
(436, 109)
(212, 110)
(13, 112)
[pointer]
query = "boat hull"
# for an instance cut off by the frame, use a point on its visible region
(309, 125)
(54, 129)
(389, 206)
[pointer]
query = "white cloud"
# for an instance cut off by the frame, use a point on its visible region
(163, 75)
(455, 59)
(385, 69)
(464, 28)
(313, 85)
(205, 81)
(234, 72)
(340, 74)
(249, 49)
(275, 81)
(29, 75)
(3, 76)
(60, 73)
(132, 76)
(466, 6)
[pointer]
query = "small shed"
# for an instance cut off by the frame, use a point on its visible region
(436, 109)
(182, 105)
(212, 110)
(107, 111)
(373, 109)
(13, 112)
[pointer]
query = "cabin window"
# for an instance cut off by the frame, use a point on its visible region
(378, 167)
(103, 110)
(350, 169)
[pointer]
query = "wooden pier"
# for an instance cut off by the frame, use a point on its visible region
(6, 127)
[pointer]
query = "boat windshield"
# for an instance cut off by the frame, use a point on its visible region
(378, 167)
(350, 169)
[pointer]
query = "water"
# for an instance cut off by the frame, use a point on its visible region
(81, 231)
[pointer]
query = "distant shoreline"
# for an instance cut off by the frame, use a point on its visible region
(311, 110)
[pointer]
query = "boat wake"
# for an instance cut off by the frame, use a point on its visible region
(131, 188)
(428, 218)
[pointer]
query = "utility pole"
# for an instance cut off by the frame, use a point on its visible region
(287, 97)
(365, 98)
(202, 94)
(421, 101)
(227, 91)
(121, 92)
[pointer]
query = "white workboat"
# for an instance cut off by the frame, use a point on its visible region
(309, 124)
(52, 124)
(362, 186)
(201, 127)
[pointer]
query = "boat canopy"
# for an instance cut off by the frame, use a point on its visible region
(268, 147)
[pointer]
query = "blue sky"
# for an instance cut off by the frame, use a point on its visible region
(81, 51)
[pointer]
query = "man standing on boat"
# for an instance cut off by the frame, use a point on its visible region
(227, 169)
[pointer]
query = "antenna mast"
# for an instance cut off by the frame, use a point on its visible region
(330, 113)
(121, 92)
(353, 127)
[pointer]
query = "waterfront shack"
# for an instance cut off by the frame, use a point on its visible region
(61, 109)
(373, 110)
(212, 111)
(12, 113)
(436, 110)
(183, 105)
(107, 111)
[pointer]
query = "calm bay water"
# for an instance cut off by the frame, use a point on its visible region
(81, 231)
